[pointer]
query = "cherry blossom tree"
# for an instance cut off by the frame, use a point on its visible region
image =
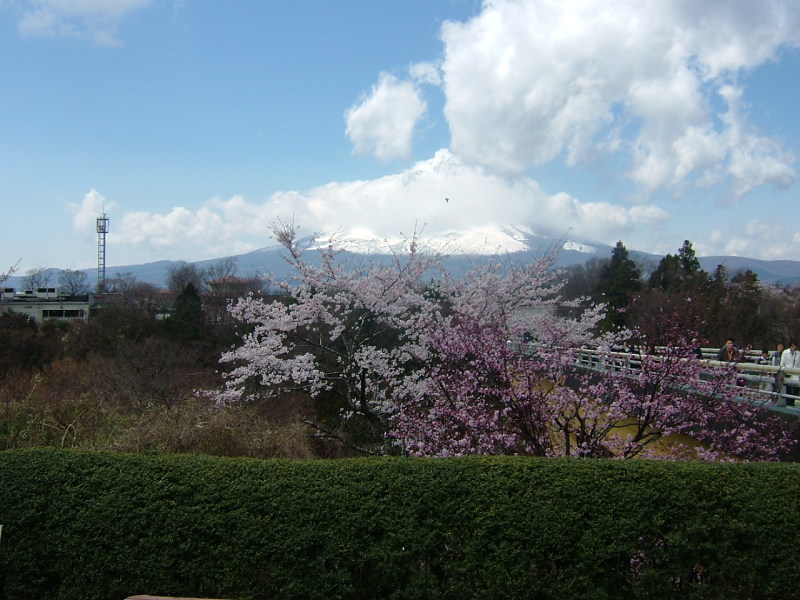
(486, 393)
(549, 401)
(400, 355)
(346, 334)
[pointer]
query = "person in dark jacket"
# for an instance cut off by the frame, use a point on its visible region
(729, 352)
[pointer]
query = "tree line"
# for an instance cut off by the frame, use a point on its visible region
(398, 357)
(724, 304)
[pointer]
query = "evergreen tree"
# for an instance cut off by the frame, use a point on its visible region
(743, 308)
(679, 273)
(667, 275)
(618, 283)
(680, 283)
(715, 306)
(689, 263)
(187, 321)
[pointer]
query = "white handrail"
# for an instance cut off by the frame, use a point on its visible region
(767, 382)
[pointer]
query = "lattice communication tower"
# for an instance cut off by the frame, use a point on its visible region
(102, 230)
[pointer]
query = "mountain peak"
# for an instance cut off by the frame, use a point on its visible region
(485, 240)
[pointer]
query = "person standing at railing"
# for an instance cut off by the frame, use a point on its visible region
(775, 361)
(765, 385)
(790, 359)
(775, 357)
(729, 352)
(763, 359)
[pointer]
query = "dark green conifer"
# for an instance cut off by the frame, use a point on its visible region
(187, 322)
(617, 284)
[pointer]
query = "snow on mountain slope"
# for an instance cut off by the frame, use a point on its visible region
(485, 240)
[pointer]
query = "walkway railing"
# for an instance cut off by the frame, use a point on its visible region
(774, 387)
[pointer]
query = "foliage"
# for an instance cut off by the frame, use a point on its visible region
(679, 272)
(346, 335)
(24, 345)
(121, 382)
(401, 358)
(205, 279)
(481, 395)
(111, 332)
(221, 270)
(430, 366)
(144, 403)
(618, 283)
(186, 322)
(363, 340)
(779, 308)
(689, 263)
(179, 276)
(581, 280)
(95, 525)
(490, 398)
(730, 304)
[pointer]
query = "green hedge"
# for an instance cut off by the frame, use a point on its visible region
(83, 526)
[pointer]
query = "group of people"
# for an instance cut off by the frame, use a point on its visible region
(780, 357)
(786, 358)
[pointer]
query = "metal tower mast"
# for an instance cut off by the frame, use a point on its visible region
(102, 230)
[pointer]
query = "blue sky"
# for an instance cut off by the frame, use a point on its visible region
(195, 125)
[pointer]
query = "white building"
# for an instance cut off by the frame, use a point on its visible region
(47, 303)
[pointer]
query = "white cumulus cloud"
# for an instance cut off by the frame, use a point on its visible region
(440, 196)
(527, 82)
(382, 123)
(425, 72)
(85, 214)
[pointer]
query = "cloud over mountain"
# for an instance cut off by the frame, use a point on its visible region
(441, 195)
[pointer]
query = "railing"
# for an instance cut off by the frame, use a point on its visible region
(772, 386)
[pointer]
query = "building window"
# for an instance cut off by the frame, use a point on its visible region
(62, 314)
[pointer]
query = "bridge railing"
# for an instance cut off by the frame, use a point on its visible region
(775, 387)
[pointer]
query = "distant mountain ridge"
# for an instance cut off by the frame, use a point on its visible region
(786, 271)
(514, 244)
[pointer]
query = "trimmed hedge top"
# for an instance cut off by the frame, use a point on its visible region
(79, 525)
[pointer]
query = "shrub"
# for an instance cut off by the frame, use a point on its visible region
(80, 525)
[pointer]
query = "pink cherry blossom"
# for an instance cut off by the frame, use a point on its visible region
(432, 364)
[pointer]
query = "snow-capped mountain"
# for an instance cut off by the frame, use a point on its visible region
(487, 240)
(462, 249)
